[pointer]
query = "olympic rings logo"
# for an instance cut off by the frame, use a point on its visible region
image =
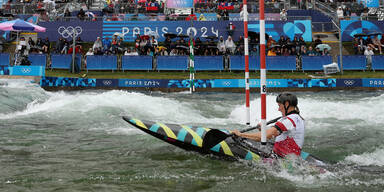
(107, 82)
(349, 82)
(25, 70)
(69, 31)
(227, 83)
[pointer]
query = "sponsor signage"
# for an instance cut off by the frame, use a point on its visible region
(86, 30)
(349, 83)
(370, 3)
(107, 82)
(159, 83)
(179, 3)
(130, 29)
(351, 27)
(373, 82)
(27, 70)
(254, 83)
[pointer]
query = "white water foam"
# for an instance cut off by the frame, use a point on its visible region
(365, 109)
(369, 158)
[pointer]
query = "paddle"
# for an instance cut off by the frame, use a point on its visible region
(215, 136)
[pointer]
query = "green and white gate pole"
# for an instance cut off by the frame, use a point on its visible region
(191, 65)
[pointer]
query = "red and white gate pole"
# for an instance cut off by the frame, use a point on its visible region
(263, 87)
(246, 56)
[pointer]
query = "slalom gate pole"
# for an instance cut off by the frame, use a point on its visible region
(246, 57)
(191, 65)
(263, 87)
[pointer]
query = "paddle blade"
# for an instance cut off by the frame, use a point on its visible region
(213, 137)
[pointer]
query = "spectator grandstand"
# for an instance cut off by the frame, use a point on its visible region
(159, 47)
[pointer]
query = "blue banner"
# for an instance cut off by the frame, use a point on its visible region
(370, 3)
(254, 83)
(4, 70)
(86, 30)
(158, 83)
(185, 83)
(179, 3)
(299, 28)
(311, 82)
(349, 83)
(351, 27)
(27, 70)
(67, 82)
(130, 29)
(373, 82)
(107, 82)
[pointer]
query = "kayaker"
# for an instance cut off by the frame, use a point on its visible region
(287, 131)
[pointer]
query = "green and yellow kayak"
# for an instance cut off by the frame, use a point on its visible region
(191, 138)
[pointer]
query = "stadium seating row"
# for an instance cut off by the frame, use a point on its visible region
(202, 63)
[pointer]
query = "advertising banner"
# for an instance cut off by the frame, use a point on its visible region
(86, 30)
(107, 82)
(254, 83)
(158, 83)
(351, 27)
(67, 82)
(349, 83)
(311, 82)
(130, 29)
(299, 28)
(373, 82)
(27, 70)
(179, 3)
(370, 3)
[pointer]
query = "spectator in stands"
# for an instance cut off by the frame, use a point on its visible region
(39, 46)
(271, 42)
(296, 43)
(285, 51)
(340, 13)
(46, 45)
(32, 45)
(301, 41)
(199, 47)
(134, 51)
(231, 28)
(114, 44)
(303, 50)
(368, 54)
(221, 46)
(311, 52)
(230, 45)
(377, 44)
(106, 44)
(272, 51)
(317, 41)
(154, 42)
(325, 52)
(202, 17)
(81, 14)
(78, 49)
(254, 51)
(167, 43)
(356, 46)
(89, 52)
(173, 52)
(120, 46)
(1, 45)
(293, 51)
(282, 41)
(283, 15)
(97, 44)
(59, 45)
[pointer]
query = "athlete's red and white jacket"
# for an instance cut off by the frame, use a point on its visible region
(291, 138)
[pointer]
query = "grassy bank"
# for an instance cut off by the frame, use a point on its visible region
(209, 75)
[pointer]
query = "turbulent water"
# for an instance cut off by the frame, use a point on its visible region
(77, 141)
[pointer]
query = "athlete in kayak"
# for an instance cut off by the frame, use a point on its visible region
(287, 131)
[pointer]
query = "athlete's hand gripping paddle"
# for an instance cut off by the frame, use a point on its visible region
(215, 136)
